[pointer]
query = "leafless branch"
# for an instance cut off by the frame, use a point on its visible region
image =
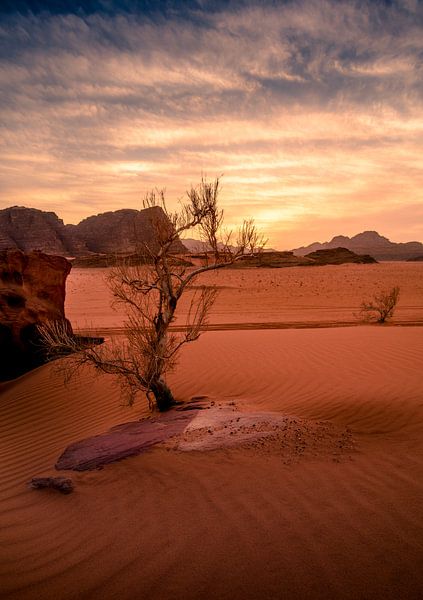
(150, 293)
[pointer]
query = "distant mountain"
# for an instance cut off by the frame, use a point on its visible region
(195, 245)
(199, 246)
(368, 242)
(121, 231)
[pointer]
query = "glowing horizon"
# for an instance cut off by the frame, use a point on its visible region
(311, 111)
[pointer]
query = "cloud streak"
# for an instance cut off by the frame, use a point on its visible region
(310, 109)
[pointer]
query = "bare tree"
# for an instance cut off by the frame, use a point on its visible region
(150, 294)
(382, 306)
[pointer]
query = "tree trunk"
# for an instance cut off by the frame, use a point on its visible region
(162, 394)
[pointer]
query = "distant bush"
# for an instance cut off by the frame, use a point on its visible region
(381, 307)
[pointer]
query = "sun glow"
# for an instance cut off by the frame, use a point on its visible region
(313, 121)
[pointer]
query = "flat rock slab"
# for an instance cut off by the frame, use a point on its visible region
(129, 439)
(204, 425)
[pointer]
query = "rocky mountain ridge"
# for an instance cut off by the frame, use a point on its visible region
(120, 231)
(129, 230)
(368, 242)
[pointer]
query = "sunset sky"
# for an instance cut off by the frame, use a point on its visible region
(311, 110)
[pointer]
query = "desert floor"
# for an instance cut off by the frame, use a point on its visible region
(290, 297)
(245, 522)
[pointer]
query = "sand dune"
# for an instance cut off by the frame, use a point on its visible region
(231, 523)
(227, 523)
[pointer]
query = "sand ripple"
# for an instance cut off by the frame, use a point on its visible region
(227, 524)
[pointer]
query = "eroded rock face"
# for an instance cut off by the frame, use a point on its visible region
(125, 230)
(115, 232)
(29, 229)
(32, 291)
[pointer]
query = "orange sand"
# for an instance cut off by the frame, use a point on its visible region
(232, 523)
(293, 296)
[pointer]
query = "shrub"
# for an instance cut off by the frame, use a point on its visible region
(382, 306)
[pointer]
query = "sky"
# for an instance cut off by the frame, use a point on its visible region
(310, 110)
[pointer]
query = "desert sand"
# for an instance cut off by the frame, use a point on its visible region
(289, 297)
(295, 519)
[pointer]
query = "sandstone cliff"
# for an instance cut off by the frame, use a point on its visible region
(118, 232)
(124, 231)
(29, 229)
(32, 291)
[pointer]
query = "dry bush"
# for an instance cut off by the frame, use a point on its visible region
(381, 307)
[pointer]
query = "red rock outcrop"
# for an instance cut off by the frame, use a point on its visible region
(32, 291)
(274, 259)
(124, 231)
(117, 232)
(29, 229)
